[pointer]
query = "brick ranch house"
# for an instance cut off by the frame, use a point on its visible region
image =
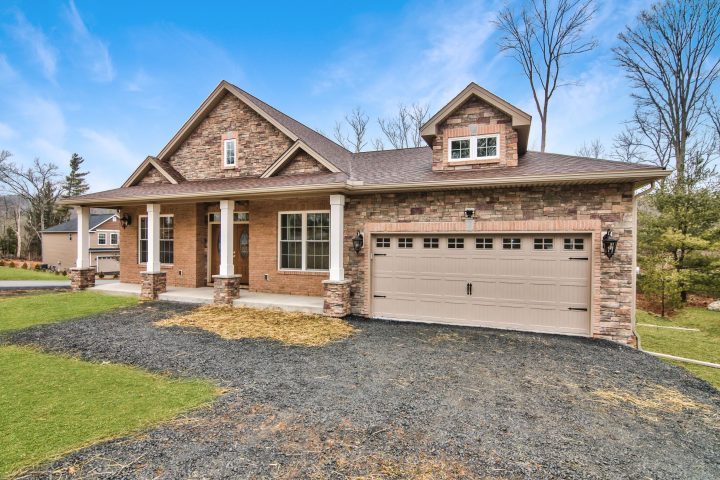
(472, 229)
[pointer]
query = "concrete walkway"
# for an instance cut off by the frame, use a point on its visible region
(43, 284)
(204, 295)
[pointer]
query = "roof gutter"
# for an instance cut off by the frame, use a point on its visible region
(361, 187)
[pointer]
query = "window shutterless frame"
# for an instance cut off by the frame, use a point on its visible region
(229, 152)
(102, 238)
(303, 240)
(472, 141)
(140, 239)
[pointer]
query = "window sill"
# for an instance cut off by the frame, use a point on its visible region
(485, 161)
(304, 272)
(229, 167)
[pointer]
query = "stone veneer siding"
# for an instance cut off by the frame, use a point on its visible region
(81, 278)
(606, 206)
(259, 143)
(153, 177)
(475, 117)
(301, 163)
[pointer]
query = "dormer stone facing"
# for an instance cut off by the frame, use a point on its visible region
(476, 130)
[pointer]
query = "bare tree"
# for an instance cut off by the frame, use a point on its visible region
(594, 150)
(669, 56)
(378, 144)
(38, 186)
(540, 37)
(403, 130)
(357, 120)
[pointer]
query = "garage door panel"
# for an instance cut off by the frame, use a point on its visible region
(523, 289)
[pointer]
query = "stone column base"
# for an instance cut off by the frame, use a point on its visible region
(153, 284)
(337, 298)
(81, 278)
(226, 289)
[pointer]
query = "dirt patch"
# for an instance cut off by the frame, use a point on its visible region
(291, 328)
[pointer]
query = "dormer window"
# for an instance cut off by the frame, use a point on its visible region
(229, 152)
(477, 147)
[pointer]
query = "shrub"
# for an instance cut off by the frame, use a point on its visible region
(64, 272)
(11, 264)
(101, 275)
(660, 283)
(37, 267)
(2, 263)
(116, 276)
(24, 266)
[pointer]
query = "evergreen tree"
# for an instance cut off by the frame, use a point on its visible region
(75, 183)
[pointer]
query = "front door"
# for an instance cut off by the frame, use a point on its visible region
(241, 250)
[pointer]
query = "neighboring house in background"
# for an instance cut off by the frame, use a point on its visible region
(472, 229)
(59, 244)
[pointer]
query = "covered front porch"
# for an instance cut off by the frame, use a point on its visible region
(205, 295)
(274, 252)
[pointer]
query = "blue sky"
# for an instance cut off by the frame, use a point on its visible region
(114, 81)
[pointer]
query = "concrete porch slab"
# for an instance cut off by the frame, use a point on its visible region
(289, 303)
(204, 295)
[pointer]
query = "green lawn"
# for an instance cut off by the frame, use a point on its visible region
(23, 312)
(703, 345)
(7, 273)
(50, 404)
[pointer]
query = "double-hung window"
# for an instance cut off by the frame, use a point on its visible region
(167, 239)
(304, 239)
(476, 147)
(102, 238)
(114, 237)
(229, 152)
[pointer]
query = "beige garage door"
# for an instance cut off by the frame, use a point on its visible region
(538, 283)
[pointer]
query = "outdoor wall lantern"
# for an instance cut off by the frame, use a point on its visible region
(125, 220)
(70, 236)
(609, 244)
(358, 242)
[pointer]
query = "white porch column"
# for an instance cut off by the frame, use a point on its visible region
(227, 265)
(337, 213)
(83, 237)
(153, 234)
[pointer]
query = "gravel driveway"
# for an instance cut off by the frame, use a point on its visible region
(396, 401)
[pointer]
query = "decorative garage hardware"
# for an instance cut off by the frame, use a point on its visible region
(358, 241)
(579, 258)
(125, 220)
(578, 309)
(468, 289)
(609, 244)
(379, 296)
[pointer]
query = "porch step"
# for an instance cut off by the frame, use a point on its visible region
(290, 303)
(202, 295)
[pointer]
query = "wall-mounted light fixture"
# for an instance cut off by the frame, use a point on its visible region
(125, 220)
(70, 236)
(358, 240)
(609, 244)
(469, 213)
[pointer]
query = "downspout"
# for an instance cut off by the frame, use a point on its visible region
(637, 195)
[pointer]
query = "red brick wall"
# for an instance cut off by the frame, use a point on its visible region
(476, 117)
(188, 268)
(264, 248)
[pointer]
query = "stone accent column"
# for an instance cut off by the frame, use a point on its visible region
(153, 284)
(81, 278)
(226, 289)
(337, 298)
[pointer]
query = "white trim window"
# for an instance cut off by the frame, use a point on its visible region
(167, 239)
(229, 152)
(102, 238)
(476, 147)
(304, 241)
(114, 238)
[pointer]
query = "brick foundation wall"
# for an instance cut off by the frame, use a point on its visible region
(610, 206)
(259, 143)
(264, 248)
(476, 117)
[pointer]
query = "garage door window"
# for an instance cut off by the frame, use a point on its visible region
(405, 242)
(484, 243)
(431, 243)
(456, 243)
(511, 244)
(543, 244)
(574, 244)
(382, 242)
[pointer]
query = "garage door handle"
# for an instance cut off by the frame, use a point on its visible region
(578, 309)
(379, 296)
(379, 254)
(579, 258)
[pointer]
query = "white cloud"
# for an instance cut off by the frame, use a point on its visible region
(108, 148)
(93, 50)
(139, 82)
(36, 42)
(7, 132)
